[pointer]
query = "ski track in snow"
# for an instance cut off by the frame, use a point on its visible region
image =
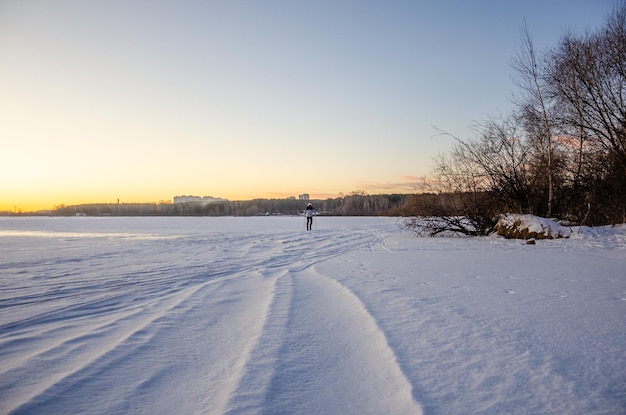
(327, 339)
(85, 315)
(257, 316)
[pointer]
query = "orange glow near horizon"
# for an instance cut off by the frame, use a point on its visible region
(33, 204)
(43, 200)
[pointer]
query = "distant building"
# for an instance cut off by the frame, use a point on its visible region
(187, 199)
(203, 199)
(304, 196)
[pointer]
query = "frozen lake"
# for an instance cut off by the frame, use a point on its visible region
(258, 316)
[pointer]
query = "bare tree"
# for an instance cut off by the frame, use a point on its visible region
(479, 179)
(587, 79)
(589, 76)
(534, 101)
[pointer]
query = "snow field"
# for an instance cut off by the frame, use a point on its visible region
(258, 316)
(493, 326)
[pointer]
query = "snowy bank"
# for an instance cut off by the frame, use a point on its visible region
(515, 226)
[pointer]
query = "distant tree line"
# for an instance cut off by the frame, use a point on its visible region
(352, 205)
(560, 154)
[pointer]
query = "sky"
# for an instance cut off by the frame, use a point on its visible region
(141, 101)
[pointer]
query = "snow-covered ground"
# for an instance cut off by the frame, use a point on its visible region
(259, 316)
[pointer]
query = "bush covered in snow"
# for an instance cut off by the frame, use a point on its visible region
(513, 226)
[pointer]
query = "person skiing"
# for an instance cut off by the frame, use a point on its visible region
(309, 212)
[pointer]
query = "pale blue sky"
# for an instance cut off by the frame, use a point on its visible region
(145, 100)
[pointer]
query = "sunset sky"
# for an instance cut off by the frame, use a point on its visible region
(143, 100)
